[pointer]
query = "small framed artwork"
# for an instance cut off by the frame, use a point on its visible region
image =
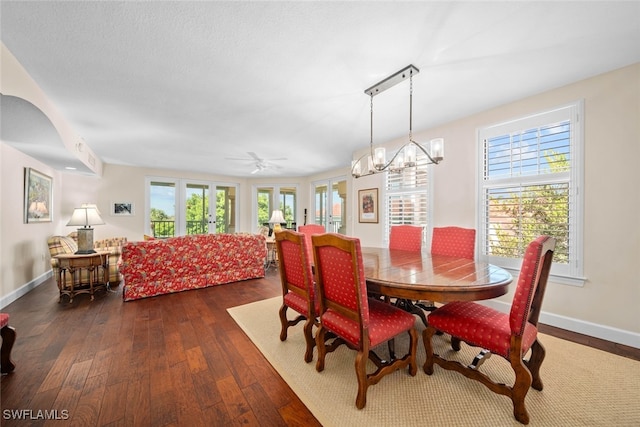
(38, 190)
(368, 205)
(122, 208)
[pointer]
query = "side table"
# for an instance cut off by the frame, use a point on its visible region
(88, 272)
(272, 254)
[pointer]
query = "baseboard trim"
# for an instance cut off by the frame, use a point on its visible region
(607, 333)
(24, 289)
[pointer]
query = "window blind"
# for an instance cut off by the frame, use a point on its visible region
(529, 180)
(407, 195)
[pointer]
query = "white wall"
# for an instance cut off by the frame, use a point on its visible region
(606, 306)
(24, 255)
(611, 294)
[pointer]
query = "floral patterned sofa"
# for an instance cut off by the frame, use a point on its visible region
(162, 266)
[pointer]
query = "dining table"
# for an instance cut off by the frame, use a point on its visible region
(420, 276)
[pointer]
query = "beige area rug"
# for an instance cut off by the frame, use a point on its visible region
(582, 386)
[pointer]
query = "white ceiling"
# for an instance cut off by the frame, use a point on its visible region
(187, 85)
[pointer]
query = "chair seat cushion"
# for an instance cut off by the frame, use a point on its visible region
(4, 320)
(480, 326)
(385, 322)
(298, 303)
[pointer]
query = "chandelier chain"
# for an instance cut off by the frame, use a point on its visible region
(371, 123)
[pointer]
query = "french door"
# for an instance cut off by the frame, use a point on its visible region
(330, 202)
(181, 207)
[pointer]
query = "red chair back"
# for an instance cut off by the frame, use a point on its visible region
(341, 271)
(454, 241)
(532, 284)
(308, 231)
(405, 237)
(295, 268)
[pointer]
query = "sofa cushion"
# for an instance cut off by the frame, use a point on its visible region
(61, 245)
(110, 244)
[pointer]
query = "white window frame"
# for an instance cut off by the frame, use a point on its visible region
(389, 194)
(273, 202)
(568, 273)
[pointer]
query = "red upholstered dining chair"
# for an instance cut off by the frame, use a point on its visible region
(356, 321)
(298, 290)
(8, 339)
(309, 230)
(408, 238)
(405, 237)
(454, 241)
(508, 335)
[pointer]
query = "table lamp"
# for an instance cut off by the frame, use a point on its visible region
(276, 220)
(85, 216)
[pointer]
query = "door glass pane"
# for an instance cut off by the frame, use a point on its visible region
(321, 205)
(339, 204)
(197, 208)
(225, 209)
(288, 205)
(264, 206)
(162, 210)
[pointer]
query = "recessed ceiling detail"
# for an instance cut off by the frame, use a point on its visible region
(27, 129)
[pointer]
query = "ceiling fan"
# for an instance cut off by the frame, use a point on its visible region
(260, 163)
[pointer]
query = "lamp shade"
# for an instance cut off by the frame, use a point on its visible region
(86, 216)
(277, 217)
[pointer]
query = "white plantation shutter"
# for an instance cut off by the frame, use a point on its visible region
(530, 175)
(407, 196)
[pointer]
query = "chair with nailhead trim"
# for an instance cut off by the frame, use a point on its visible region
(359, 322)
(508, 335)
(298, 289)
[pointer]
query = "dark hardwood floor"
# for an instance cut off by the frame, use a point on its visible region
(172, 360)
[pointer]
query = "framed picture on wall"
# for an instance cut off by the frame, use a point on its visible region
(368, 205)
(122, 208)
(38, 190)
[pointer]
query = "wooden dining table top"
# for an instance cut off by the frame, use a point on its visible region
(422, 276)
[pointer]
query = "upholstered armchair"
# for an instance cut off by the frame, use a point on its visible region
(68, 245)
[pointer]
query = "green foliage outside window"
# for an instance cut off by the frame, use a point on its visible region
(519, 214)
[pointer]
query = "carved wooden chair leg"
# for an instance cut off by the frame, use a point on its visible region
(455, 343)
(427, 334)
(520, 389)
(361, 373)
(283, 322)
(538, 353)
(309, 339)
(8, 334)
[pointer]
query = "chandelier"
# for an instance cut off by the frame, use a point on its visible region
(405, 157)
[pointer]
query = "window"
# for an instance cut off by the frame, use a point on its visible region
(407, 196)
(178, 207)
(269, 198)
(161, 198)
(530, 176)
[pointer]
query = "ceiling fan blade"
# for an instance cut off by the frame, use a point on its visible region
(254, 155)
(256, 170)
